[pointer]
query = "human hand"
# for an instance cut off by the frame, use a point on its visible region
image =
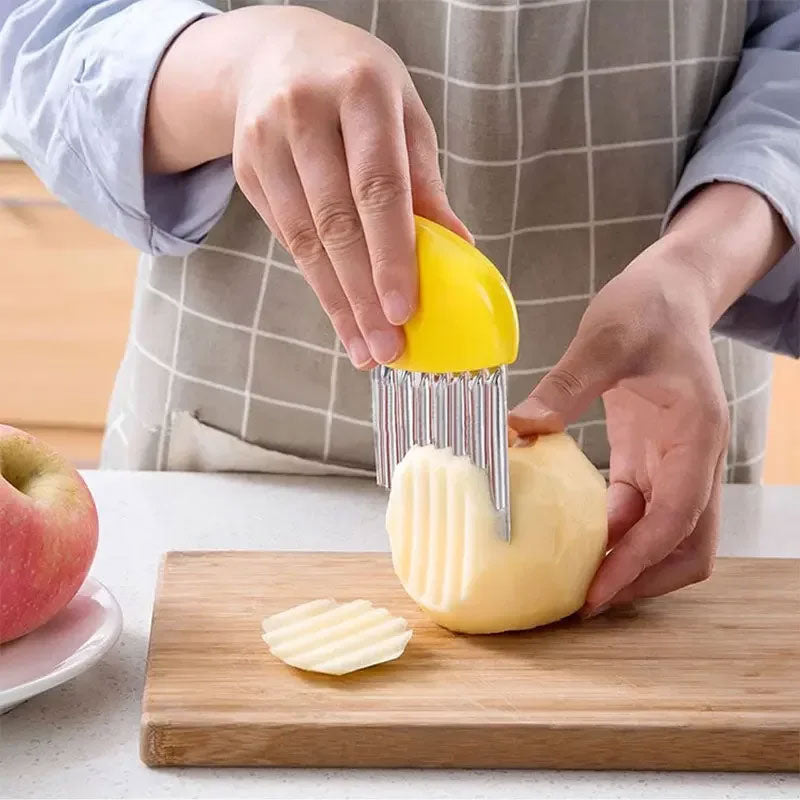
(334, 149)
(331, 144)
(644, 343)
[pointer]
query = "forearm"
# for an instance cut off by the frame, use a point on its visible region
(732, 233)
(729, 236)
(70, 70)
(191, 111)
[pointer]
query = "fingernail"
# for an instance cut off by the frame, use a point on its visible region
(384, 346)
(533, 407)
(595, 612)
(532, 416)
(358, 351)
(396, 308)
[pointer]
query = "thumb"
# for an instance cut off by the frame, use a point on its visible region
(568, 389)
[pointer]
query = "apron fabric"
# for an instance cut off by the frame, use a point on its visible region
(563, 126)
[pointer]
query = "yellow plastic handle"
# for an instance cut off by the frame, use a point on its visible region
(466, 319)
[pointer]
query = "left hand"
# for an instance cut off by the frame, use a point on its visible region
(644, 344)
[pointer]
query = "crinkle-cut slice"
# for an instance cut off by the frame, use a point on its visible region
(335, 638)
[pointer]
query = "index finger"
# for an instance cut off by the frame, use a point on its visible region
(377, 161)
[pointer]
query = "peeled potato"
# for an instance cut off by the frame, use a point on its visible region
(335, 638)
(450, 559)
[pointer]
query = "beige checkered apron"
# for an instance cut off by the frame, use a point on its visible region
(563, 125)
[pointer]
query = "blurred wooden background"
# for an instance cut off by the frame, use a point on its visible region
(65, 301)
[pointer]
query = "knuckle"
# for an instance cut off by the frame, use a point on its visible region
(640, 553)
(725, 436)
(242, 171)
(427, 185)
(713, 410)
(717, 411)
(678, 523)
(394, 58)
(253, 132)
(340, 313)
(610, 339)
(297, 99)
(565, 381)
(385, 267)
(363, 76)
(365, 308)
(339, 225)
(703, 570)
(420, 121)
(616, 341)
(304, 244)
(436, 185)
(691, 517)
(427, 126)
(378, 191)
(724, 427)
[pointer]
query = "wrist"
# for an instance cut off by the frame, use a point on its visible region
(191, 113)
(722, 241)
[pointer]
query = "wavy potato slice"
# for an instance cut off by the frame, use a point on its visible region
(335, 638)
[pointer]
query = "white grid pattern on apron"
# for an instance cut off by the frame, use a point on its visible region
(323, 404)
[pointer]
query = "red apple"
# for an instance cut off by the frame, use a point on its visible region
(48, 532)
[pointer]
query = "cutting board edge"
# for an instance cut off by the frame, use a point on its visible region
(748, 749)
(162, 568)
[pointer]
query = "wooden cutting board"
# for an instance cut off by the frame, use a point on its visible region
(705, 679)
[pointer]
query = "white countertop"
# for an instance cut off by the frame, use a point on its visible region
(81, 739)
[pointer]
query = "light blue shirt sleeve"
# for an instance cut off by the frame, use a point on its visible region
(753, 138)
(75, 77)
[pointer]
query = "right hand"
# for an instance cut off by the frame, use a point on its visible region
(333, 147)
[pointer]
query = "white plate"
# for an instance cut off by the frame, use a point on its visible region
(69, 644)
